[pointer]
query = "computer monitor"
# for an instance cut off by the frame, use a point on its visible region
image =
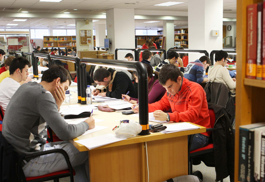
(106, 43)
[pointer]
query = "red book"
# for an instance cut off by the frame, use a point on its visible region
(259, 41)
(252, 11)
(263, 42)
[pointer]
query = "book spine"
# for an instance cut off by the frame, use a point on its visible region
(250, 173)
(259, 41)
(257, 155)
(262, 161)
(251, 71)
(263, 44)
(243, 139)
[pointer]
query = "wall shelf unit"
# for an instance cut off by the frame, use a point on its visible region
(141, 39)
(59, 41)
(181, 37)
(250, 97)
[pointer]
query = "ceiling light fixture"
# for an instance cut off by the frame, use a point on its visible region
(75, 9)
(51, 1)
(94, 20)
(151, 22)
(66, 12)
(12, 24)
(168, 4)
(8, 27)
(72, 25)
(103, 13)
(24, 12)
(20, 20)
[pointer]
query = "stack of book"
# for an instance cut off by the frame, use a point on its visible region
(255, 42)
(251, 152)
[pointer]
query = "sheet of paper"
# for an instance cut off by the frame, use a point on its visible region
(99, 141)
(75, 109)
(101, 99)
(73, 84)
(79, 120)
(176, 127)
(119, 104)
(97, 128)
(41, 68)
(151, 118)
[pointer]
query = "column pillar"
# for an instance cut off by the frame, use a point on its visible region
(120, 29)
(87, 25)
(100, 34)
(168, 32)
(205, 16)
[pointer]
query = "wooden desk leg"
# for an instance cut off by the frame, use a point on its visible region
(168, 158)
(117, 164)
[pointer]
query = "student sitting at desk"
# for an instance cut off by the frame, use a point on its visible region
(7, 63)
(187, 101)
(36, 106)
(172, 58)
(155, 90)
(116, 83)
(18, 73)
(194, 70)
(218, 73)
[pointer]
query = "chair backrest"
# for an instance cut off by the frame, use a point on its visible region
(212, 117)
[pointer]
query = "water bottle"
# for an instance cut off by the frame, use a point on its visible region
(88, 95)
(67, 96)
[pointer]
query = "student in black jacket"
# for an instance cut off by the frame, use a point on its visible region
(146, 57)
(116, 83)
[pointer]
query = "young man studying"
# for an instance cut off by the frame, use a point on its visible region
(36, 105)
(187, 101)
(18, 72)
(7, 63)
(116, 83)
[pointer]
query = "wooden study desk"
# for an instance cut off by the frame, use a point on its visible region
(127, 161)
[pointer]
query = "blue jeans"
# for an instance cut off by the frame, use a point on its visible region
(199, 140)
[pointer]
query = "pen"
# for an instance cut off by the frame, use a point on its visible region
(126, 94)
(114, 128)
(91, 113)
(135, 106)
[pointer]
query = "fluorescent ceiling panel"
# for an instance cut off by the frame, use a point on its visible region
(51, 1)
(72, 25)
(168, 3)
(151, 22)
(20, 20)
(94, 20)
(12, 24)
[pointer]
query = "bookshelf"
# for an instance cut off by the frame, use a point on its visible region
(181, 36)
(141, 39)
(250, 99)
(59, 41)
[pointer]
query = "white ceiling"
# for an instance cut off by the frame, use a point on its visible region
(43, 11)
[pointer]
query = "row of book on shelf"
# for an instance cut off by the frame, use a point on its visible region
(256, 41)
(181, 37)
(181, 31)
(252, 153)
(58, 39)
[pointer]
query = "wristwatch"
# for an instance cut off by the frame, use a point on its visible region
(168, 117)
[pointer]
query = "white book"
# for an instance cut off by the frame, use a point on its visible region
(257, 153)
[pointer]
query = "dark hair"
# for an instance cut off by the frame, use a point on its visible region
(169, 71)
(157, 38)
(205, 58)
(149, 42)
(220, 55)
(55, 72)
(43, 51)
(146, 54)
(54, 49)
(2, 52)
(16, 63)
(149, 71)
(38, 47)
(129, 55)
(172, 54)
(9, 60)
(100, 74)
(69, 50)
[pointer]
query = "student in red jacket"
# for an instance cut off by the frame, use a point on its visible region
(187, 101)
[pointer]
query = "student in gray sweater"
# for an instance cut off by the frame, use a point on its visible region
(34, 106)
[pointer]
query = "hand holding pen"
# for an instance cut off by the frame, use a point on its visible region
(126, 97)
(135, 108)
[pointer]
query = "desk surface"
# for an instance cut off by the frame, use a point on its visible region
(111, 119)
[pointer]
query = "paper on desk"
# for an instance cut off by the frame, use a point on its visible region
(75, 109)
(176, 127)
(119, 104)
(79, 120)
(99, 141)
(73, 84)
(97, 128)
(151, 118)
(101, 99)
